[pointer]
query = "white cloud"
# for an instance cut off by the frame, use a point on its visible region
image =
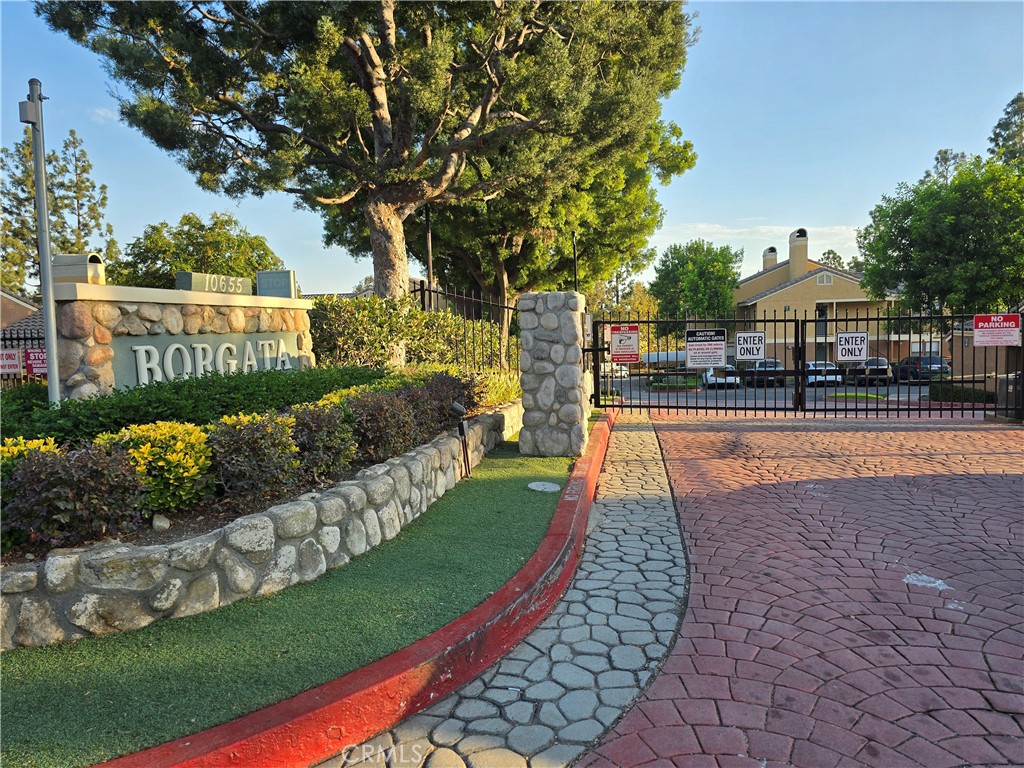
(103, 115)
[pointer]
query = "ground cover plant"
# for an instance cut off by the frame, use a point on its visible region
(77, 704)
(670, 382)
(232, 465)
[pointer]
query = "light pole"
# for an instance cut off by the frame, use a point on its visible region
(575, 266)
(31, 112)
(430, 260)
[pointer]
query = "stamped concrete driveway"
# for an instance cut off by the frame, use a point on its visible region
(855, 598)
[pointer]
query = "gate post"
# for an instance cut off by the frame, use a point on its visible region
(556, 394)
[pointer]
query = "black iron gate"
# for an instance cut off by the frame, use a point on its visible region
(832, 364)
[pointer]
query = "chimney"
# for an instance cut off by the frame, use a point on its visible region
(798, 254)
(769, 258)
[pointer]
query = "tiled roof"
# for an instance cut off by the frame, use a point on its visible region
(852, 276)
(26, 327)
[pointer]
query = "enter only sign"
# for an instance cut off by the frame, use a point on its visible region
(750, 345)
(852, 347)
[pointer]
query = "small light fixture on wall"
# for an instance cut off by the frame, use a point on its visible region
(458, 409)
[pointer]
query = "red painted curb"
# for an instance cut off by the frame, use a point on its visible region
(347, 711)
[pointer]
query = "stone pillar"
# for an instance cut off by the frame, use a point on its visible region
(556, 398)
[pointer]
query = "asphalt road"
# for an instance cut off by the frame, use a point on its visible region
(635, 391)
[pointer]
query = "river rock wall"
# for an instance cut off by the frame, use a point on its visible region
(115, 587)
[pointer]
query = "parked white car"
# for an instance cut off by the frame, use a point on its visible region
(723, 376)
(824, 374)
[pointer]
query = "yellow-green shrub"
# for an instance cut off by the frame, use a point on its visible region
(173, 459)
(15, 447)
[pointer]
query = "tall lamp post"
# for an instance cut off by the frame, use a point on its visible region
(31, 112)
(430, 260)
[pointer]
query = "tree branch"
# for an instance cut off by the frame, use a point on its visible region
(327, 200)
(329, 156)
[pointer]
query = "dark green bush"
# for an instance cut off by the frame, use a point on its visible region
(23, 399)
(196, 400)
(947, 392)
(323, 433)
(360, 331)
(432, 403)
(66, 499)
(383, 425)
(253, 455)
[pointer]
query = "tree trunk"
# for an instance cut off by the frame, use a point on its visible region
(500, 294)
(390, 261)
(387, 239)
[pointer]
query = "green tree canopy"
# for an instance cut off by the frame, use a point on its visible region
(697, 279)
(368, 111)
(1007, 139)
(955, 244)
(524, 241)
(946, 163)
(831, 258)
(76, 207)
(221, 247)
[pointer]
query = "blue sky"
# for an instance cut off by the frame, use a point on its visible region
(803, 114)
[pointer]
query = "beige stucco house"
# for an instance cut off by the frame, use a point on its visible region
(830, 300)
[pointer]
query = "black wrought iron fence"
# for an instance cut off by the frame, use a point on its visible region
(827, 362)
(484, 333)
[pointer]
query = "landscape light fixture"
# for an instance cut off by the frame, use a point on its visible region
(458, 409)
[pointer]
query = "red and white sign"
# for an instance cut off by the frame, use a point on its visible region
(35, 362)
(10, 362)
(997, 330)
(625, 343)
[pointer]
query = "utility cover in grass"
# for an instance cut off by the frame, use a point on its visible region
(544, 487)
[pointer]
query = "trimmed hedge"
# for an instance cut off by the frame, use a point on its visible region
(362, 331)
(947, 392)
(197, 400)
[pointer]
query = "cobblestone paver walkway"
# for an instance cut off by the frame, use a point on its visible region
(856, 599)
(548, 700)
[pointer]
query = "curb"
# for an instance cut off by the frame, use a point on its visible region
(323, 721)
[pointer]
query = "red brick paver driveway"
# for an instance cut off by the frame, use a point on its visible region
(855, 598)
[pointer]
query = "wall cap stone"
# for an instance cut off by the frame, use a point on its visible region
(132, 295)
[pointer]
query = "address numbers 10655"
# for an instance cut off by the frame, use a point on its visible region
(200, 281)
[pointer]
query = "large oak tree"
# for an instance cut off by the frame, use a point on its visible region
(368, 111)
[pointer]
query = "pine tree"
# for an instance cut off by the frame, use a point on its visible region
(76, 207)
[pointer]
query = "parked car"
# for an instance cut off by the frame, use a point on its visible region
(723, 376)
(767, 372)
(823, 373)
(614, 369)
(918, 368)
(874, 370)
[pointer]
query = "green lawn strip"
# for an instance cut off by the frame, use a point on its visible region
(79, 703)
(858, 396)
